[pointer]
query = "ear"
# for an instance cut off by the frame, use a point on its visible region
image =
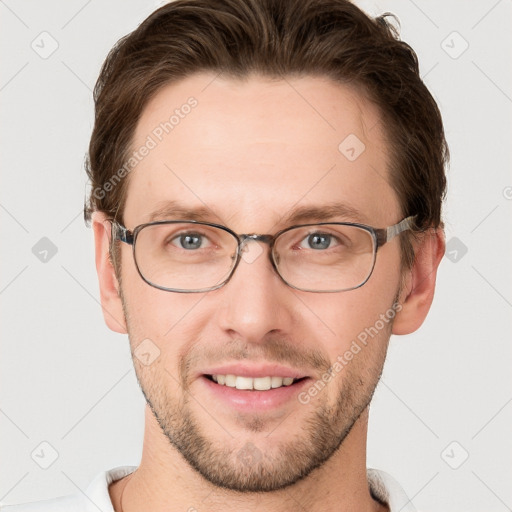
(109, 287)
(418, 290)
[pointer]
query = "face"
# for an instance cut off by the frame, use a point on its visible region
(251, 152)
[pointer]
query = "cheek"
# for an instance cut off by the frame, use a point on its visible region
(163, 324)
(150, 313)
(365, 313)
(149, 309)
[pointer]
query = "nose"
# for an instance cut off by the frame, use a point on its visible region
(255, 301)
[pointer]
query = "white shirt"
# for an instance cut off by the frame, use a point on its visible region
(96, 498)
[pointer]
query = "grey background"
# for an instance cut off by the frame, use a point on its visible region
(68, 381)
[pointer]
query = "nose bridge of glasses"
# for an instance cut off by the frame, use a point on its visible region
(266, 239)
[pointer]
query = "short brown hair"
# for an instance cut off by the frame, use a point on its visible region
(274, 38)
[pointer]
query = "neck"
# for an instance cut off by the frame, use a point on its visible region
(164, 481)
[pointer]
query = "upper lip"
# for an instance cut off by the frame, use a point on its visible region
(255, 370)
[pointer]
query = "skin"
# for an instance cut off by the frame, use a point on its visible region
(251, 151)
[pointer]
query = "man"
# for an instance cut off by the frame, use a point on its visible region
(267, 180)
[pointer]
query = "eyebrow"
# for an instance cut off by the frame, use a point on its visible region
(177, 210)
(302, 214)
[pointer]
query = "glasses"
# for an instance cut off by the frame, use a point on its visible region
(191, 256)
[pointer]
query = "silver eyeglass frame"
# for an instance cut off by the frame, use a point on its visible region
(380, 237)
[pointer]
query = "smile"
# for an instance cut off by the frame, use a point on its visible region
(250, 383)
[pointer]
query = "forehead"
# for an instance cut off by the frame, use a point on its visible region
(250, 151)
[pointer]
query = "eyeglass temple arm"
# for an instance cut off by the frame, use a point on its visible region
(387, 234)
(119, 232)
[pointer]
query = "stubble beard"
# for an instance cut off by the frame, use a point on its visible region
(247, 465)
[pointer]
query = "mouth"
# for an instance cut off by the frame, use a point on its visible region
(252, 394)
(253, 383)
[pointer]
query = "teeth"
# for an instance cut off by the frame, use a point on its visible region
(258, 383)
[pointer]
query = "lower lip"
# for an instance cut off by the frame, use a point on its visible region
(252, 400)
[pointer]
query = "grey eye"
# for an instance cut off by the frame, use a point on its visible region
(188, 241)
(318, 241)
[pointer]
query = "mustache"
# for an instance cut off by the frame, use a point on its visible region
(273, 350)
